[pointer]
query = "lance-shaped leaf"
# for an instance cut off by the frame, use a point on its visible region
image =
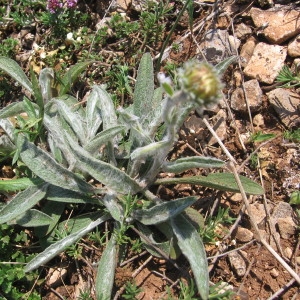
(163, 211)
(186, 163)
(219, 181)
(14, 70)
(114, 179)
(22, 202)
(12, 110)
(113, 206)
(8, 127)
(71, 75)
(93, 114)
(108, 112)
(14, 185)
(223, 65)
(46, 78)
(193, 249)
(106, 271)
(44, 166)
(144, 88)
(102, 138)
(32, 218)
(61, 245)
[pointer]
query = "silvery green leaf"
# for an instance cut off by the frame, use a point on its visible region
(106, 271)
(71, 75)
(32, 218)
(144, 88)
(22, 202)
(73, 118)
(223, 65)
(14, 185)
(218, 181)
(12, 109)
(46, 78)
(193, 249)
(110, 201)
(10, 67)
(107, 174)
(186, 163)
(58, 194)
(93, 114)
(163, 211)
(151, 150)
(103, 138)
(108, 113)
(8, 127)
(61, 245)
(6, 145)
(44, 166)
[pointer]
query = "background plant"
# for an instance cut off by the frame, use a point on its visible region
(120, 151)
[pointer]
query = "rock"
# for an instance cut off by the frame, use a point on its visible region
(288, 252)
(278, 25)
(253, 95)
(285, 102)
(238, 263)
(247, 50)
(274, 273)
(287, 227)
(266, 62)
(217, 45)
(243, 235)
(294, 47)
(282, 210)
(236, 197)
(258, 121)
(220, 126)
(242, 31)
(258, 213)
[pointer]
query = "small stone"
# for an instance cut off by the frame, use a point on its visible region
(220, 126)
(253, 95)
(294, 47)
(274, 273)
(282, 210)
(243, 235)
(288, 252)
(285, 103)
(287, 227)
(236, 197)
(278, 25)
(298, 260)
(258, 120)
(247, 50)
(258, 214)
(237, 263)
(266, 62)
(242, 31)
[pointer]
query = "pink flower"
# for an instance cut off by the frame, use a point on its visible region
(53, 5)
(71, 3)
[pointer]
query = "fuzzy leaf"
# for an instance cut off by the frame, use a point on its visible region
(44, 166)
(102, 138)
(219, 181)
(71, 75)
(193, 249)
(93, 114)
(106, 271)
(15, 71)
(32, 218)
(14, 185)
(222, 66)
(186, 163)
(46, 78)
(12, 110)
(61, 245)
(144, 88)
(6, 146)
(22, 202)
(163, 211)
(113, 206)
(108, 112)
(115, 179)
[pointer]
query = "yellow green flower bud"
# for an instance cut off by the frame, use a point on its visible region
(201, 81)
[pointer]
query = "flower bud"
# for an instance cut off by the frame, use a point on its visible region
(201, 81)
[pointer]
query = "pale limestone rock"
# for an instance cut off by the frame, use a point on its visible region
(285, 102)
(258, 213)
(287, 227)
(238, 263)
(258, 121)
(243, 235)
(247, 50)
(253, 94)
(278, 25)
(242, 31)
(274, 273)
(220, 127)
(282, 210)
(294, 47)
(266, 62)
(288, 252)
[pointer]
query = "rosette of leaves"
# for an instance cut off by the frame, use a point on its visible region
(66, 145)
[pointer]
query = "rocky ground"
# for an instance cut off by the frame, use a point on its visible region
(265, 36)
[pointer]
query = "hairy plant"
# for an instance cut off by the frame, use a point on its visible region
(123, 153)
